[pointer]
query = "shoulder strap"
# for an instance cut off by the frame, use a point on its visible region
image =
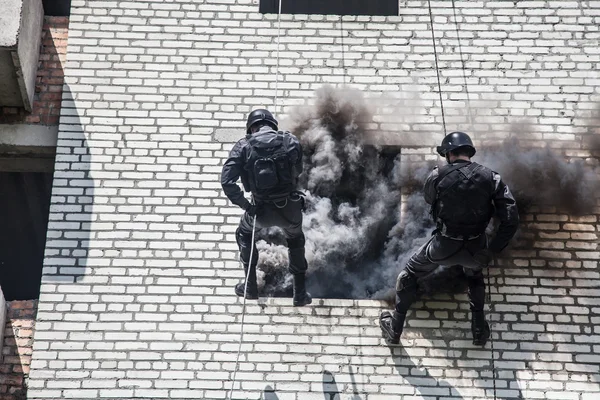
(441, 176)
(286, 141)
(447, 171)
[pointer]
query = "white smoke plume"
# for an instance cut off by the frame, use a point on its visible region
(365, 213)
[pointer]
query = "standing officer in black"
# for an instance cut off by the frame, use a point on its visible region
(464, 196)
(268, 163)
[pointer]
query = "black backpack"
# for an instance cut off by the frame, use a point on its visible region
(271, 161)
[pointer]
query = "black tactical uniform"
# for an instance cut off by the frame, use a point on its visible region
(268, 163)
(464, 196)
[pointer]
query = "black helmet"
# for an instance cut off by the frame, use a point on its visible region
(258, 116)
(453, 141)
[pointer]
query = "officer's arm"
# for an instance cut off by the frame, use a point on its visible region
(232, 170)
(429, 187)
(296, 144)
(506, 212)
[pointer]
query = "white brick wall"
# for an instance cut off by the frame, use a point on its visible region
(141, 261)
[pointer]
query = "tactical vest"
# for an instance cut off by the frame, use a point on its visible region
(463, 206)
(270, 163)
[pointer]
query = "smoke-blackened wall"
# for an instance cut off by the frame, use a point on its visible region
(365, 212)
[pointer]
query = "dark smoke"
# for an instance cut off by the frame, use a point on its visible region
(541, 177)
(365, 211)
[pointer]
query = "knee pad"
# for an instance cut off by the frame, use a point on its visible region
(406, 281)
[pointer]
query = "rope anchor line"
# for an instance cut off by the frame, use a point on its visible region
(237, 360)
(470, 116)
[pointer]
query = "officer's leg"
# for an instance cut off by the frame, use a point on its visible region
(479, 326)
(291, 216)
(392, 324)
(243, 237)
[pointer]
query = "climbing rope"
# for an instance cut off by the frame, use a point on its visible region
(470, 115)
(277, 66)
(343, 51)
(489, 293)
(437, 68)
(237, 360)
(463, 66)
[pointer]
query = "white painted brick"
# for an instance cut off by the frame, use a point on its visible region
(149, 82)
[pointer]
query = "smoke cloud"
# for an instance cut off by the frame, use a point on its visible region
(365, 213)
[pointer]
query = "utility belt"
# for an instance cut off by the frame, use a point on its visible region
(280, 200)
(457, 233)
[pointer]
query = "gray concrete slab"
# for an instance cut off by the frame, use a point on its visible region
(10, 19)
(21, 24)
(28, 135)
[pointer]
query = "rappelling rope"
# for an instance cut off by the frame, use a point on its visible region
(237, 360)
(462, 62)
(495, 263)
(343, 52)
(437, 69)
(277, 66)
(489, 293)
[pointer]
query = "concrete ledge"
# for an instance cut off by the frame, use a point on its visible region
(27, 164)
(21, 23)
(28, 135)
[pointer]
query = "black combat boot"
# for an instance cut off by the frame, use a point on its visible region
(301, 296)
(252, 289)
(480, 328)
(391, 326)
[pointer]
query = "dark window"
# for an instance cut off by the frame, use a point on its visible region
(24, 211)
(347, 276)
(57, 8)
(336, 7)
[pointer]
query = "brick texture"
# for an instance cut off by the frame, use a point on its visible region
(49, 81)
(17, 349)
(137, 294)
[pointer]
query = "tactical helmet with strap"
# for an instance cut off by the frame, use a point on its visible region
(456, 140)
(261, 115)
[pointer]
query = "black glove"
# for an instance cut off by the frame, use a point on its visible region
(254, 209)
(483, 257)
